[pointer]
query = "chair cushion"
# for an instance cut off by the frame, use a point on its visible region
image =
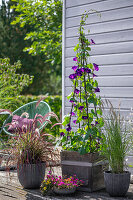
(20, 124)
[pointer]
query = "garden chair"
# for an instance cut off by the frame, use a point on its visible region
(43, 108)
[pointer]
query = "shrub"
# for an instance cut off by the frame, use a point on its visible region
(11, 85)
(53, 101)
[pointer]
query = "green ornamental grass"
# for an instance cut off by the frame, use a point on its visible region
(116, 141)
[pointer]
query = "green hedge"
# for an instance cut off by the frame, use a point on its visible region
(55, 103)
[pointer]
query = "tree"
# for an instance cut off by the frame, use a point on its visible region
(47, 77)
(45, 17)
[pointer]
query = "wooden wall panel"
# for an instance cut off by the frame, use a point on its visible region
(113, 51)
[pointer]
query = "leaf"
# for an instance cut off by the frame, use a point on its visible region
(88, 48)
(89, 132)
(99, 112)
(93, 112)
(82, 150)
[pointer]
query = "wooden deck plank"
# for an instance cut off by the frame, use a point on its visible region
(10, 189)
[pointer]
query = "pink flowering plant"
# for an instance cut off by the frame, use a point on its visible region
(53, 181)
(85, 112)
(29, 145)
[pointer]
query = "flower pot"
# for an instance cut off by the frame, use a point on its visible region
(88, 167)
(31, 175)
(64, 191)
(117, 184)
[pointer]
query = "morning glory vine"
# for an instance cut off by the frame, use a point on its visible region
(85, 112)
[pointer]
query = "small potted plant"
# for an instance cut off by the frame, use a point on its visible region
(32, 150)
(60, 185)
(81, 147)
(116, 145)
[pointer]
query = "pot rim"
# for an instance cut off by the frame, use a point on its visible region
(124, 172)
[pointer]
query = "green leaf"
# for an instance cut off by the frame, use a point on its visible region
(88, 48)
(89, 86)
(82, 150)
(93, 112)
(99, 112)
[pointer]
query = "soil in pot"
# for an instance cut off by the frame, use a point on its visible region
(117, 184)
(31, 175)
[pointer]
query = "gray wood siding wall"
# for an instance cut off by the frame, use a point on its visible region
(113, 51)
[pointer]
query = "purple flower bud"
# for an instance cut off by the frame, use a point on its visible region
(76, 91)
(95, 67)
(68, 128)
(71, 101)
(81, 108)
(74, 68)
(72, 113)
(74, 121)
(88, 70)
(68, 137)
(62, 134)
(96, 123)
(94, 75)
(72, 76)
(92, 41)
(74, 104)
(84, 117)
(97, 90)
(75, 59)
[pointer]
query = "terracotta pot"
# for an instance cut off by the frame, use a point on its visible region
(117, 184)
(31, 175)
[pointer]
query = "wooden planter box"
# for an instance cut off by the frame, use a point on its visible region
(88, 167)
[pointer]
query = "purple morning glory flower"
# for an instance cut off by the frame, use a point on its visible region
(81, 108)
(74, 68)
(78, 72)
(74, 104)
(69, 128)
(84, 117)
(94, 75)
(88, 70)
(83, 69)
(72, 113)
(74, 121)
(72, 76)
(62, 134)
(75, 59)
(96, 123)
(95, 67)
(97, 90)
(76, 91)
(92, 41)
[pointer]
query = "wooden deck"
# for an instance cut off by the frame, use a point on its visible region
(10, 189)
